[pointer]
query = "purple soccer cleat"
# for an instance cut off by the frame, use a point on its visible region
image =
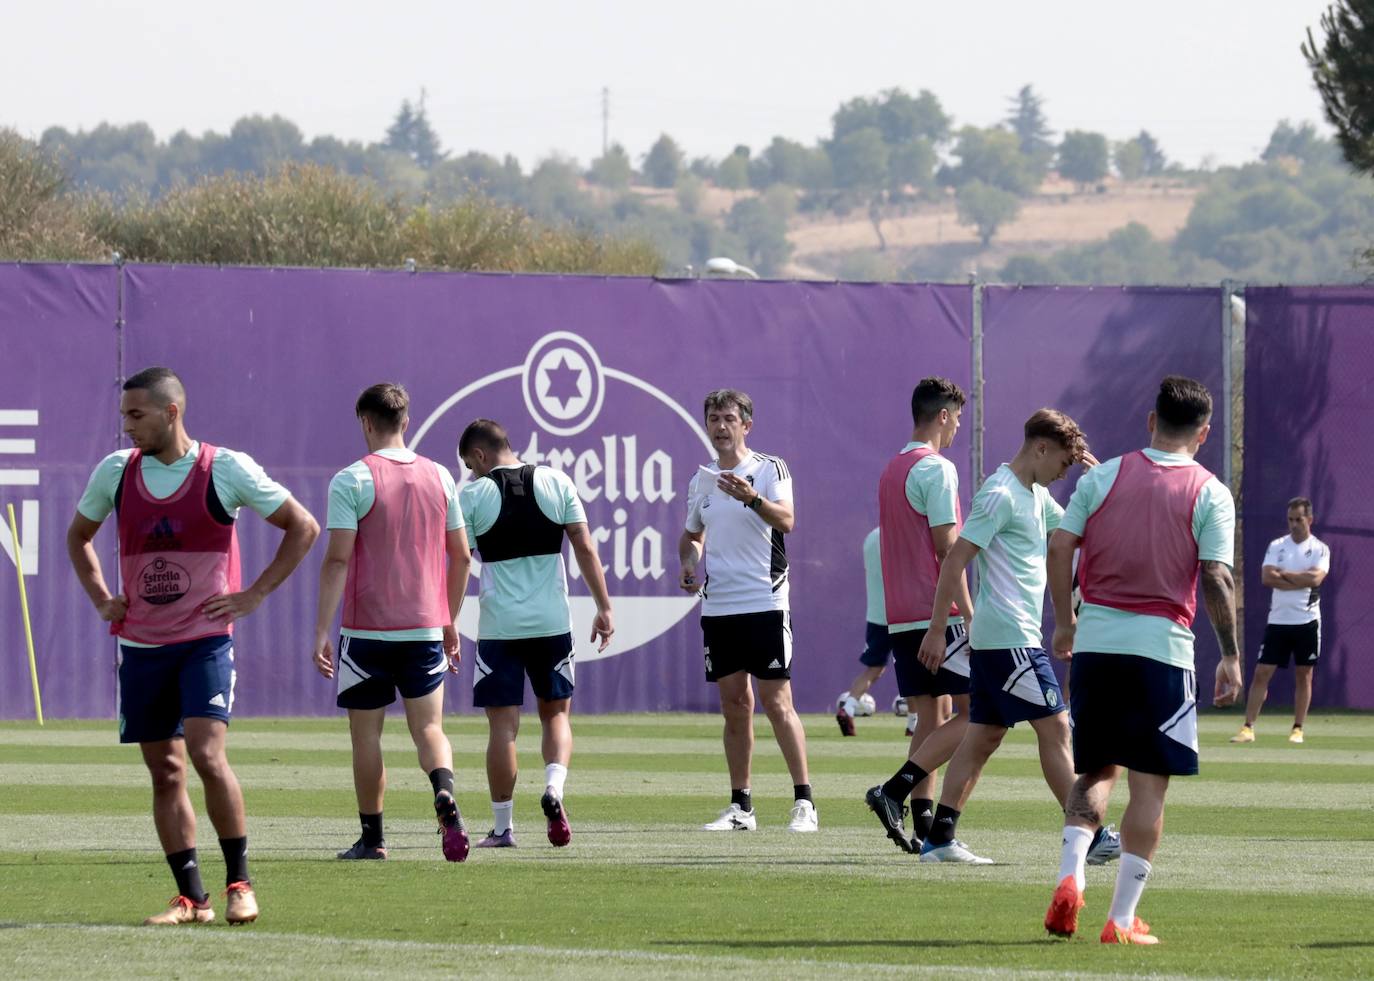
(506, 839)
(560, 832)
(455, 842)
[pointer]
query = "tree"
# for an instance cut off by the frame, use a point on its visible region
(860, 159)
(733, 172)
(1343, 70)
(986, 208)
(410, 133)
(612, 169)
(1300, 143)
(904, 118)
(1083, 157)
(912, 164)
(1026, 117)
(994, 157)
(663, 162)
(1152, 159)
(1129, 159)
(690, 189)
(762, 226)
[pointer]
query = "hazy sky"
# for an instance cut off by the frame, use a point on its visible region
(1204, 76)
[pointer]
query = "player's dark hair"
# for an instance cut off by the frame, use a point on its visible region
(933, 394)
(1183, 406)
(1055, 425)
(484, 434)
(723, 398)
(160, 383)
(1301, 502)
(385, 405)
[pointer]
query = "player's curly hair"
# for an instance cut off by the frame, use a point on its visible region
(723, 398)
(1055, 425)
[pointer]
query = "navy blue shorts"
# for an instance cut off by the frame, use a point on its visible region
(1132, 711)
(371, 672)
(877, 646)
(160, 686)
(1007, 686)
(499, 671)
(914, 678)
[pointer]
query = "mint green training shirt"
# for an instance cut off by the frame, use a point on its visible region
(1111, 631)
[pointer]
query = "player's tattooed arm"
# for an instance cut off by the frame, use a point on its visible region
(1219, 593)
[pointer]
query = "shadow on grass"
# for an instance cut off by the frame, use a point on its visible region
(802, 944)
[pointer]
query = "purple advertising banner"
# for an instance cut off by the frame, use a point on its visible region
(58, 397)
(601, 378)
(1309, 432)
(1098, 353)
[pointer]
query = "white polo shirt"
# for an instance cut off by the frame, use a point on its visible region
(745, 558)
(1296, 606)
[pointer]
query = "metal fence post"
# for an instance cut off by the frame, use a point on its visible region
(976, 441)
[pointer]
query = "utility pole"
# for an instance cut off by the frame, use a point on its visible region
(605, 119)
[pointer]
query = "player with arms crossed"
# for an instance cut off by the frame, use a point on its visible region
(175, 501)
(1295, 567)
(1011, 678)
(1145, 525)
(393, 521)
(919, 518)
(738, 511)
(517, 518)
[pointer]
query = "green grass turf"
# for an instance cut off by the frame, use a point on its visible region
(1267, 865)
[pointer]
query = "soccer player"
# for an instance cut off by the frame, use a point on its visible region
(176, 501)
(1145, 525)
(738, 511)
(517, 517)
(1295, 567)
(918, 514)
(1011, 679)
(877, 641)
(393, 518)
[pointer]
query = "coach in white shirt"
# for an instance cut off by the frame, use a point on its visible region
(739, 508)
(1295, 567)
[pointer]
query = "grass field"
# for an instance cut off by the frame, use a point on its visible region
(1267, 866)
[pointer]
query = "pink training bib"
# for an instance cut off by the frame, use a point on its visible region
(910, 566)
(396, 575)
(1138, 552)
(174, 555)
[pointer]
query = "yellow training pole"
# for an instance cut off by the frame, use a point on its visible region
(24, 605)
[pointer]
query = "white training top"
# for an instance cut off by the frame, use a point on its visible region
(1297, 605)
(745, 558)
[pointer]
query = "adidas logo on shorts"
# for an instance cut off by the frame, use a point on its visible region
(774, 664)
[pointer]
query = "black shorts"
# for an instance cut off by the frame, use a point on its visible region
(371, 671)
(760, 643)
(1300, 642)
(914, 678)
(877, 646)
(1132, 711)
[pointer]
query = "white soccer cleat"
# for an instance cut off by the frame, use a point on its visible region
(952, 852)
(733, 818)
(804, 817)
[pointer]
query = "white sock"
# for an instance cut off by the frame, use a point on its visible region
(1130, 883)
(555, 775)
(851, 706)
(503, 815)
(911, 720)
(1076, 844)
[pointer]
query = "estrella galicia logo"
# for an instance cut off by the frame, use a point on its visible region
(629, 447)
(161, 582)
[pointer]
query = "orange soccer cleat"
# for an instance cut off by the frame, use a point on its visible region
(1061, 919)
(1139, 933)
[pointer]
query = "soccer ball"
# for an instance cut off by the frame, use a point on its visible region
(899, 708)
(866, 704)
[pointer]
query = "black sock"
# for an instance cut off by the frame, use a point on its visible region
(743, 798)
(921, 816)
(235, 859)
(441, 779)
(801, 791)
(943, 825)
(186, 869)
(904, 781)
(372, 829)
